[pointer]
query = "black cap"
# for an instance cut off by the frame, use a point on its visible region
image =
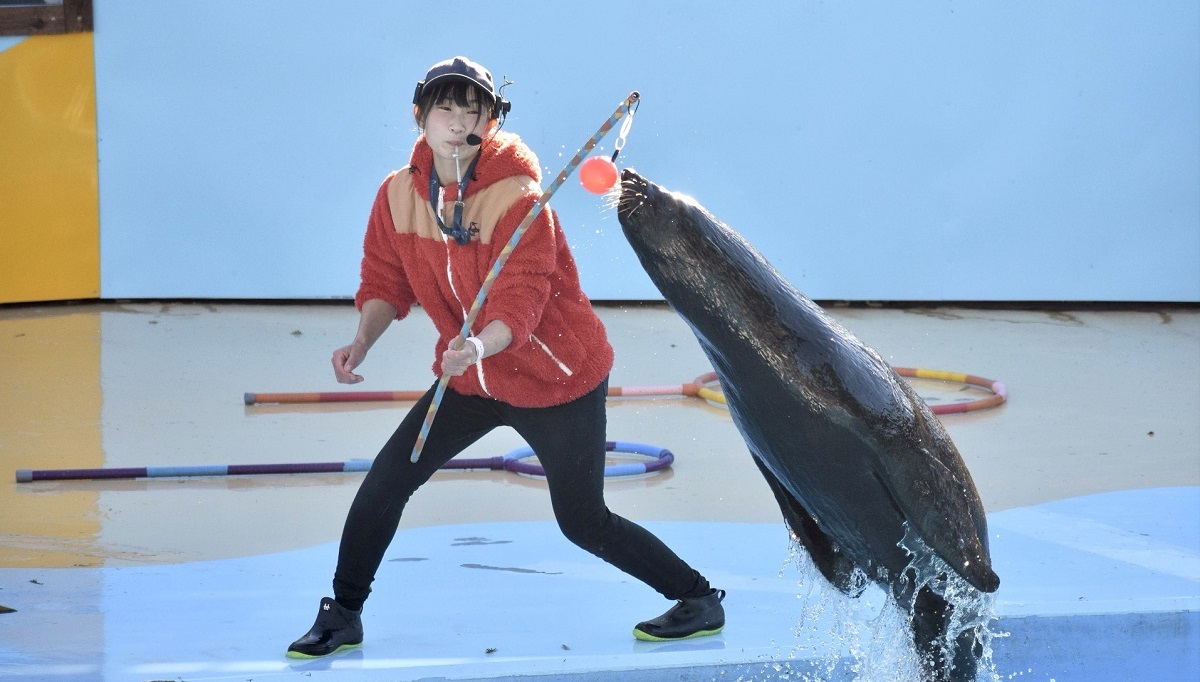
(457, 69)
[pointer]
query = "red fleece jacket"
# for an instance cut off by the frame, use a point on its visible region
(560, 350)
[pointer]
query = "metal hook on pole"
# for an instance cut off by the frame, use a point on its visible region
(624, 132)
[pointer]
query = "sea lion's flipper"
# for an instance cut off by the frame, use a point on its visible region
(837, 568)
(951, 523)
(899, 436)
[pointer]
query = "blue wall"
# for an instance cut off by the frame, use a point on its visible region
(873, 150)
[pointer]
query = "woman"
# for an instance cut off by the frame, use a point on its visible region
(537, 360)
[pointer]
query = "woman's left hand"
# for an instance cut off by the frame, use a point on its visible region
(456, 362)
(494, 338)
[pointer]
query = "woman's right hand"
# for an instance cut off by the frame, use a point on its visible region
(374, 318)
(345, 359)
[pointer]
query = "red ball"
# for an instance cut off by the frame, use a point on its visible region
(598, 174)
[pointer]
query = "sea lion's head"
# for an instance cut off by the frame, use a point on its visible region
(681, 246)
(656, 220)
(698, 263)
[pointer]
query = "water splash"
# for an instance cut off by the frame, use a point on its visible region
(868, 638)
(972, 609)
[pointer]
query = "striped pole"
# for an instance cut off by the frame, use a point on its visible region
(331, 397)
(621, 111)
(173, 471)
(412, 396)
(661, 458)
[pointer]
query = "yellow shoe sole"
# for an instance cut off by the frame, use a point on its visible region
(647, 637)
(344, 647)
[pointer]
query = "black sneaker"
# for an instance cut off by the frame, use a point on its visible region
(694, 617)
(337, 628)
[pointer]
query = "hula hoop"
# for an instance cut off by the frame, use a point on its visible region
(662, 458)
(998, 389)
(702, 388)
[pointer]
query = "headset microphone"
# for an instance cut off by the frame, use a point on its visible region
(474, 140)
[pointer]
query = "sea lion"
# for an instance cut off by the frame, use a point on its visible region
(864, 473)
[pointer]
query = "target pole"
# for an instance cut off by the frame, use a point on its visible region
(536, 209)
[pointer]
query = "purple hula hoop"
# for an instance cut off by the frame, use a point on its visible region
(513, 460)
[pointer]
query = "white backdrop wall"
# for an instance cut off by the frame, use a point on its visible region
(873, 150)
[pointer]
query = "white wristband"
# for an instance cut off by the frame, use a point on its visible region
(478, 347)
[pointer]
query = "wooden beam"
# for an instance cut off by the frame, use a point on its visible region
(73, 16)
(31, 20)
(77, 15)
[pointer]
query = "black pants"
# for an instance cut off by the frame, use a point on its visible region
(568, 440)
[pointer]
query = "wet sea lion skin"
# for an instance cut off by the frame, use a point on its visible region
(853, 456)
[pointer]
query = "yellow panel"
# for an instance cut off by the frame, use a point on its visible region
(49, 206)
(49, 419)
